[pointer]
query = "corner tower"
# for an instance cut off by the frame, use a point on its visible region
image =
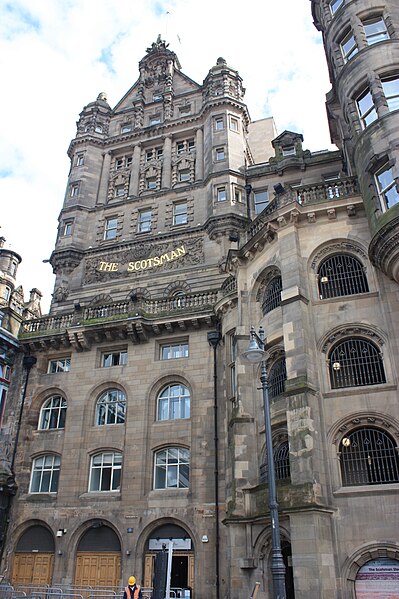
(361, 42)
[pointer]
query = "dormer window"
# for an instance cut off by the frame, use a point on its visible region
(157, 97)
(119, 191)
(289, 151)
(155, 120)
(98, 129)
(151, 183)
(184, 176)
(126, 128)
(185, 110)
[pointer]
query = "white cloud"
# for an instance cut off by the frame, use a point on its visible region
(62, 53)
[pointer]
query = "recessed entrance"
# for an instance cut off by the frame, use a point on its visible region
(34, 557)
(98, 558)
(182, 575)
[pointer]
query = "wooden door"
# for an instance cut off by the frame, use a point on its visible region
(98, 569)
(32, 568)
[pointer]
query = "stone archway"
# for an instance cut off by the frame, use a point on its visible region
(33, 561)
(182, 575)
(98, 557)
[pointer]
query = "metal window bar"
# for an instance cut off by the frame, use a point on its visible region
(341, 275)
(272, 297)
(355, 363)
(277, 378)
(368, 457)
(281, 463)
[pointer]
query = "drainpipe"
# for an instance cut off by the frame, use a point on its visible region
(213, 340)
(248, 189)
(28, 362)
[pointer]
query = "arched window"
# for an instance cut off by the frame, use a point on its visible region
(45, 474)
(340, 275)
(354, 363)
(172, 468)
(105, 471)
(277, 378)
(272, 295)
(174, 403)
(53, 413)
(281, 454)
(368, 457)
(111, 407)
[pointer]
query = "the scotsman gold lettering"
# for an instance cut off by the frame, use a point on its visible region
(108, 266)
(139, 265)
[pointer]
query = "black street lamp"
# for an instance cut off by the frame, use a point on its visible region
(256, 354)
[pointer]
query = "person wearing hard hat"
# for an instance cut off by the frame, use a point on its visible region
(133, 590)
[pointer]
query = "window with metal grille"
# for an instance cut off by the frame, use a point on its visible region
(368, 456)
(354, 363)
(281, 455)
(272, 297)
(341, 274)
(277, 378)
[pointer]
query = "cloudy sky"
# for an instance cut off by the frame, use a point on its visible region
(57, 55)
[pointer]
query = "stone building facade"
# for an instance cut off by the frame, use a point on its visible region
(183, 224)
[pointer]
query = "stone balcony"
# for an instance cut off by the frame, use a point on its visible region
(137, 320)
(303, 198)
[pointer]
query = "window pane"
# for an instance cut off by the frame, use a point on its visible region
(391, 91)
(375, 30)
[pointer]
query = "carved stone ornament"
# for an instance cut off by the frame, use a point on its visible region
(60, 294)
(355, 330)
(362, 420)
(192, 255)
(341, 246)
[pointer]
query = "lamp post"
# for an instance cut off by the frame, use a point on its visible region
(256, 354)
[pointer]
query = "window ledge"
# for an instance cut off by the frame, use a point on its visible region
(345, 391)
(388, 489)
(346, 298)
(40, 497)
(168, 492)
(101, 495)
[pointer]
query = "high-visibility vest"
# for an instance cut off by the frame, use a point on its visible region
(135, 593)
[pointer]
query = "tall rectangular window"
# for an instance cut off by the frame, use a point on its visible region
(221, 194)
(391, 92)
(80, 160)
(111, 228)
(219, 123)
(145, 221)
(180, 213)
(261, 200)
(231, 360)
(220, 155)
(74, 190)
(348, 46)
(67, 228)
(366, 109)
(375, 30)
(233, 123)
(386, 186)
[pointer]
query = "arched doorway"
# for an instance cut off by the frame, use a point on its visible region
(378, 578)
(182, 575)
(34, 557)
(98, 557)
(286, 551)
